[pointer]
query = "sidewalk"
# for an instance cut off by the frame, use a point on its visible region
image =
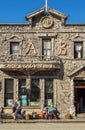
(80, 120)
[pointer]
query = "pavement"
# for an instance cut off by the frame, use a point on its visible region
(76, 120)
(42, 126)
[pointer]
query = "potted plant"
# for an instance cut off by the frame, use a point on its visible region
(27, 116)
(68, 116)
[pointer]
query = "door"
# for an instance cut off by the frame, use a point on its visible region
(79, 96)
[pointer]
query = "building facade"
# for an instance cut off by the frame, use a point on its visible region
(43, 62)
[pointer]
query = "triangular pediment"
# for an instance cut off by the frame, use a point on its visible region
(77, 37)
(14, 37)
(79, 72)
(42, 12)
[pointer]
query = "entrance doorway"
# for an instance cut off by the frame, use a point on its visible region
(79, 87)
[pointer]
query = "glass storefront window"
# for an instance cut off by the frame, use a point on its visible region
(29, 97)
(48, 92)
(23, 93)
(35, 92)
(9, 88)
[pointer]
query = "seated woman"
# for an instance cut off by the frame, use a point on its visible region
(50, 112)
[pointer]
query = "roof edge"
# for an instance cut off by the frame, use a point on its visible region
(50, 10)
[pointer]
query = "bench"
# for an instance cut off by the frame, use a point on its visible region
(37, 113)
(6, 114)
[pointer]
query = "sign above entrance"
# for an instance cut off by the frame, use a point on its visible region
(30, 66)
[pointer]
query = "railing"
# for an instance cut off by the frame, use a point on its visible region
(21, 58)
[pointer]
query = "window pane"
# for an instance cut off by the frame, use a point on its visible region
(9, 92)
(14, 48)
(47, 44)
(48, 53)
(23, 93)
(48, 91)
(9, 86)
(35, 92)
(45, 52)
(46, 48)
(78, 50)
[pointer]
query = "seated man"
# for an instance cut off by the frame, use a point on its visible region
(52, 112)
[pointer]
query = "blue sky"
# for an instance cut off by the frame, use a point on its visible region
(14, 11)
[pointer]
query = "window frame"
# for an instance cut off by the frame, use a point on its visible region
(8, 100)
(35, 103)
(23, 92)
(15, 56)
(77, 43)
(47, 49)
(49, 91)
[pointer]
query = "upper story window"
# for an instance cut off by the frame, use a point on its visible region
(14, 49)
(46, 48)
(78, 49)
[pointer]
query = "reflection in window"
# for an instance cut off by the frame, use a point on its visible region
(9, 92)
(35, 92)
(78, 50)
(48, 92)
(23, 93)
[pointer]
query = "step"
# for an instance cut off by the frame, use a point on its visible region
(81, 115)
